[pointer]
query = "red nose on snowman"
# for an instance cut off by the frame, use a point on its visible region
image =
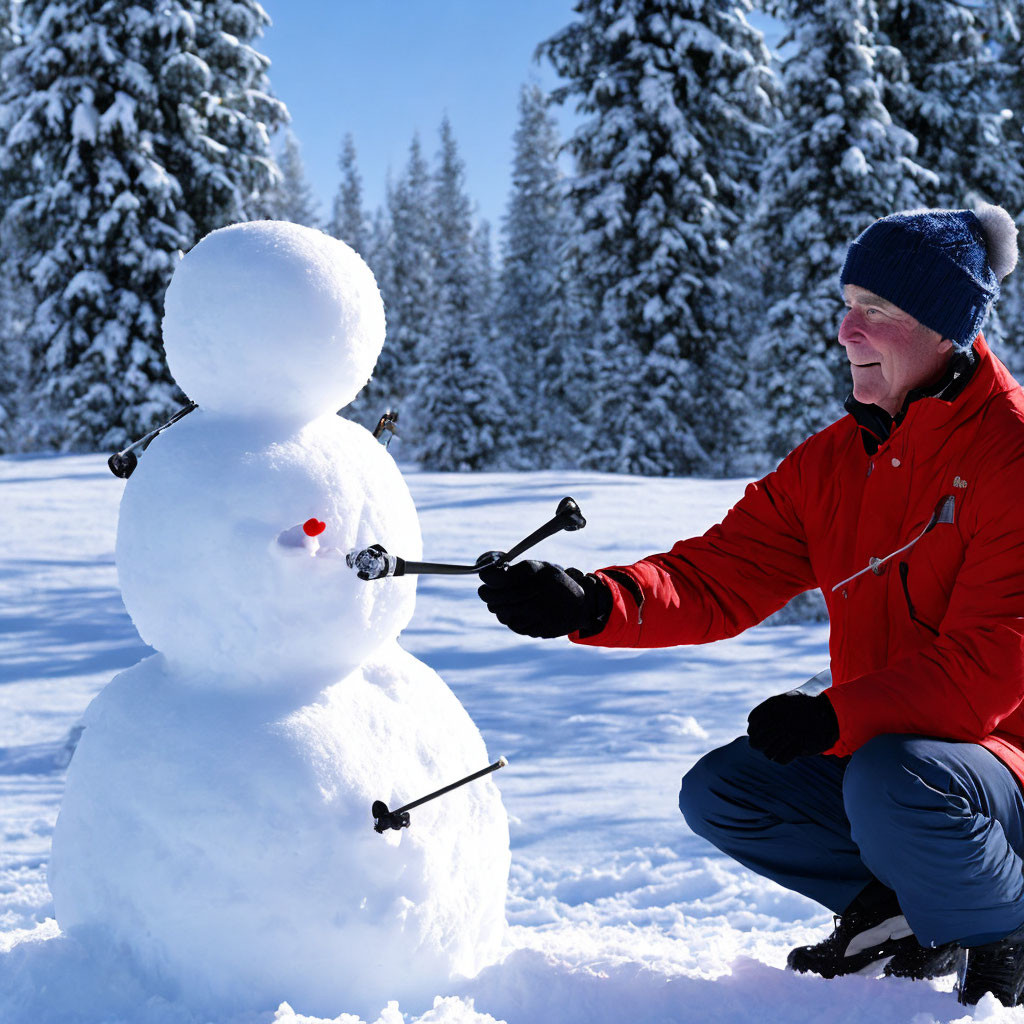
(313, 527)
(302, 539)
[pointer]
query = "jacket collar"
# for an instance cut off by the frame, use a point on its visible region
(876, 425)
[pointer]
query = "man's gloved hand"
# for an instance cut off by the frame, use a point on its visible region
(792, 725)
(542, 600)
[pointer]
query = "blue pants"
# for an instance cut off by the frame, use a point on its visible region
(940, 823)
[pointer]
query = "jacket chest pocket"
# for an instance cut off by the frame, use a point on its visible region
(927, 574)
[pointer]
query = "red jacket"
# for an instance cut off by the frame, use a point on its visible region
(929, 642)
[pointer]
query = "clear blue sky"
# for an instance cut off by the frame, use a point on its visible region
(384, 69)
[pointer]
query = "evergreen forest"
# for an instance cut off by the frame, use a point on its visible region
(661, 296)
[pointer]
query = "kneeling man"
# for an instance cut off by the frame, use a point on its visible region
(893, 796)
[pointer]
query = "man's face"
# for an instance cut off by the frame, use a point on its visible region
(890, 352)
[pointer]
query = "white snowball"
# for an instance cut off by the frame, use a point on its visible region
(229, 843)
(1000, 237)
(206, 579)
(271, 318)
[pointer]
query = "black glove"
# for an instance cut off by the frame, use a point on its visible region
(792, 725)
(540, 599)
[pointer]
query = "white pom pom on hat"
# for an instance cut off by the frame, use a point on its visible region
(1000, 238)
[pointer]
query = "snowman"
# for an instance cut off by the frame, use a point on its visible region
(216, 823)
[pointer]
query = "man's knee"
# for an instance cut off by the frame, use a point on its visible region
(888, 773)
(701, 798)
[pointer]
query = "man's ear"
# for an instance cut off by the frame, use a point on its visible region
(945, 345)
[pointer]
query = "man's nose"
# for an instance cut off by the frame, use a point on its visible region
(848, 328)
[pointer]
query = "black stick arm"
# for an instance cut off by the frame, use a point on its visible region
(439, 568)
(143, 441)
(500, 763)
(374, 562)
(566, 517)
(398, 819)
(123, 463)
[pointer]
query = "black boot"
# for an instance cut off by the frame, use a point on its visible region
(873, 929)
(916, 961)
(997, 967)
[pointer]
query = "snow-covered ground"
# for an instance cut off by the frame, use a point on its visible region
(619, 914)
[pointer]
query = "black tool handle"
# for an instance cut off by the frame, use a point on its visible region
(383, 819)
(123, 463)
(567, 517)
(500, 763)
(439, 569)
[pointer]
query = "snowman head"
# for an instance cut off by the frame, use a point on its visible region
(272, 319)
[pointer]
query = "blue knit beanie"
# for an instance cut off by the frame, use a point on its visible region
(943, 267)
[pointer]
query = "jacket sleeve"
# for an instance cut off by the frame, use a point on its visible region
(961, 686)
(715, 586)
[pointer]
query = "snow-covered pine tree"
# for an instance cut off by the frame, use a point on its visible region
(945, 89)
(489, 360)
(675, 94)
(837, 163)
(116, 154)
(485, 291)
(381, 243)
(293, 198)
(535, 344)
(407, 282)
(460, 401)
(14, 366)
(1004, 21)
(380, 392)
(486, 283)
(93, 217)
(371, 238)
(13, 302)
(348, 217)
(228, 172)
(9, 33)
